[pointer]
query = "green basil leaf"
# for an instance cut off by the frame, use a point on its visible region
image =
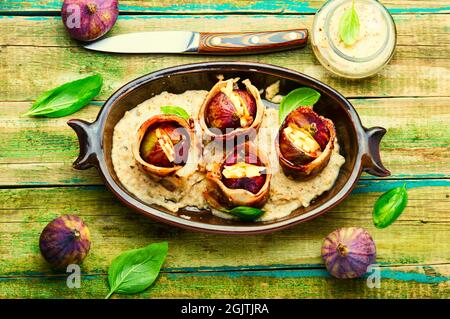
(67, 98)
(349, 26)
(389, 206)
(246, 213)
(299, 97)
(176, 110)
(135, 270)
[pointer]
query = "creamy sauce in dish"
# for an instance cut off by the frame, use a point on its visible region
(374, 46)
(286, 194)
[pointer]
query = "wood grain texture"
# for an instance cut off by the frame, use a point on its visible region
(420, 235)
(410, 98)
(40, 151)
(228, 6)
(49, 31)
(396, 282)
(413, 252)
(41, 62)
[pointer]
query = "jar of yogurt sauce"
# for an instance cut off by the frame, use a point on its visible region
(373, 48)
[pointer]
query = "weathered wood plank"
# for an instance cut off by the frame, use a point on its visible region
(228, 6)
(416, 70)
(419, 29)
(36, 54)
(419, 236)
(396, 282)
(40, 151)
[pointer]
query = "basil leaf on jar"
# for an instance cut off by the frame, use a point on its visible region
(349, 26)
(389, 206)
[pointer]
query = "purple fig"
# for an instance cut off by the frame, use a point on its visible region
(253, 183)
(242, 179)
(222, 114)
(88, 20)
(175, 137)
(164, 144)
(347, 252)
(65, 241)
(230, 112)
(304, 143)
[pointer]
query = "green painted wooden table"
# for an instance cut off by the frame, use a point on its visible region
(410, 97)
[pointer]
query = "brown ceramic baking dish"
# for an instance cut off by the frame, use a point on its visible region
(359, 145)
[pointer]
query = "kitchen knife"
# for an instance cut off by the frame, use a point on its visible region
(202, 42)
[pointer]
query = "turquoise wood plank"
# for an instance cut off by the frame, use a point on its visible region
(262, 6)
(274, 271)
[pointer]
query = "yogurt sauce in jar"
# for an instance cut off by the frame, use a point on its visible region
(373, 48)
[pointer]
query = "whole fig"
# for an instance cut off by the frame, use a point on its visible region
(88, 20)
(65, 241)
(347, 252)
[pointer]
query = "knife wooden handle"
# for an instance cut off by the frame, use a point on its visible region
(251, 42)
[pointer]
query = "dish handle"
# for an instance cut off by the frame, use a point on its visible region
(371, 159)
(87, 138)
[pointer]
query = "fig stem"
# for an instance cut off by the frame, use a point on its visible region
(342, 250)
(92, 7)
(76, 233)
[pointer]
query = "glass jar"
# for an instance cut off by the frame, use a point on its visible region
(373, 48)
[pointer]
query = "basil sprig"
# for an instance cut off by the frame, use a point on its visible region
(303, 96)
(389, 206)
(135, 270)
(246, 213)
(349, 26)
(176, 110)
(67, 98)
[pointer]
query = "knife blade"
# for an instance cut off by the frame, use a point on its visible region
(222, 43)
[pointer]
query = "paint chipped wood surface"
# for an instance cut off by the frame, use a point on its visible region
(419, 68)
(410, 98)
(227, 6)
